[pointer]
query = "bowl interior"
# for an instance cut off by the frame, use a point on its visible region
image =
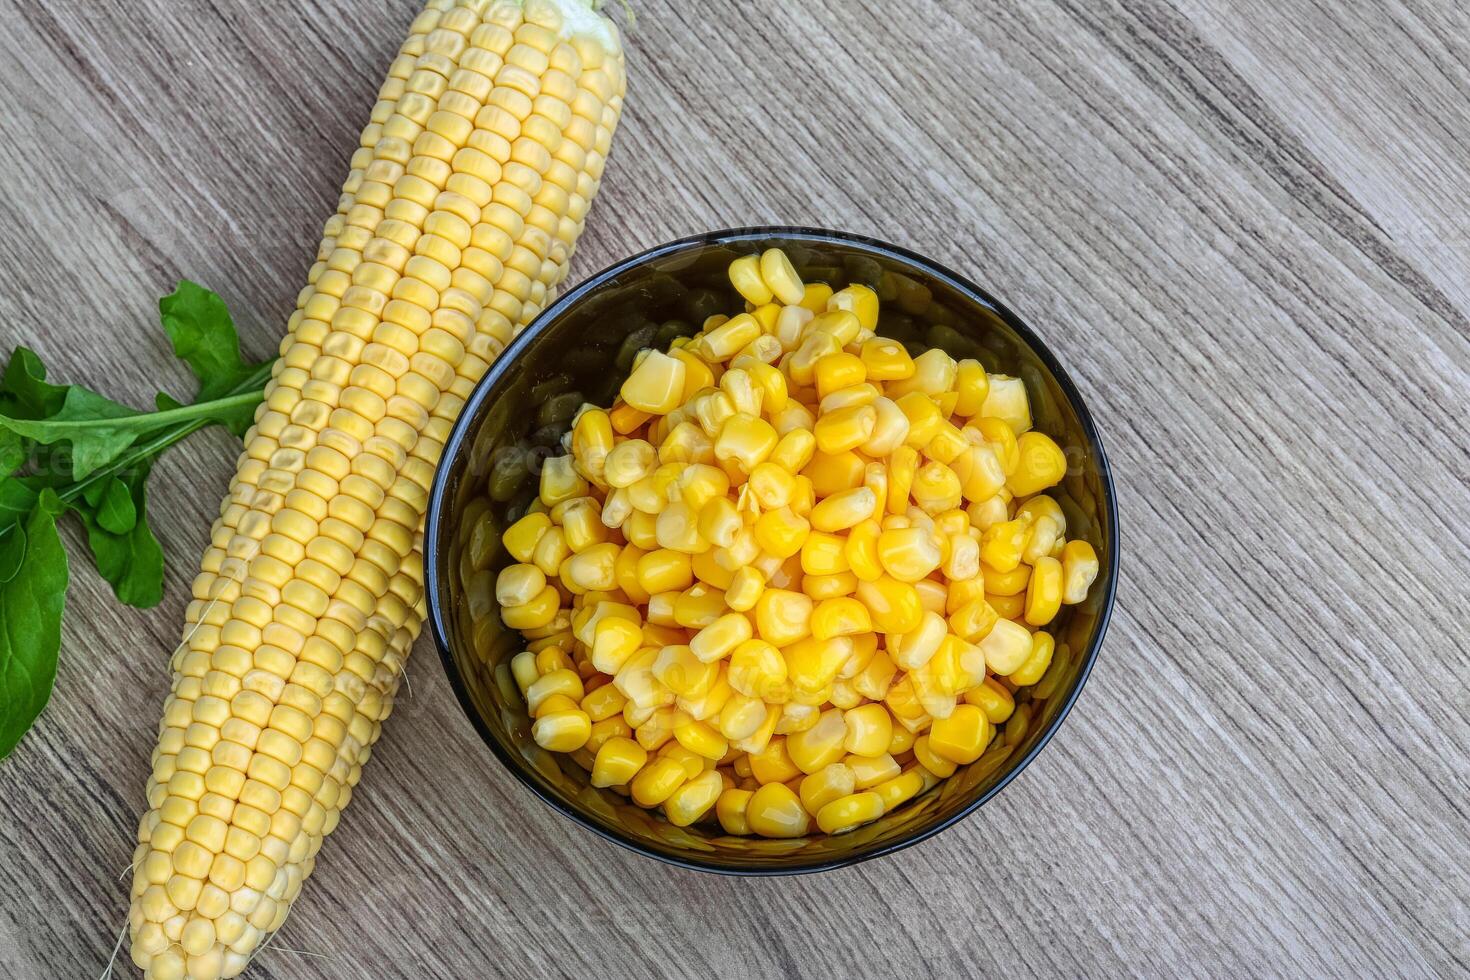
(579, 351)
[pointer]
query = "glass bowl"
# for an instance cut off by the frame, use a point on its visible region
(579, 350)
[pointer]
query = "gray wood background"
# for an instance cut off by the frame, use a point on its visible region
(1241, 224)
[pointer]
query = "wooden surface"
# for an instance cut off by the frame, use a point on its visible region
(1241, 224)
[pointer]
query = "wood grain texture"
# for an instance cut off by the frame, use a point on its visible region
(1241, 224)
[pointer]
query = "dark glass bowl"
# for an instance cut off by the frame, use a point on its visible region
(579, 350)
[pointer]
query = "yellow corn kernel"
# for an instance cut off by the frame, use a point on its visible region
(844, 509)
(815, 296)
(850, 812)
(730, 810)
(934, 374)
(742, 716)
(923, 416)
(985, 514)
(563, 681)
(523, 669)
(1040, 464)
(592, 440)
(1001, 545)
(757, 669)
(886, 360)
(931, 760)
(935, 488)
(823, 554)
(813, 664)
(862, 550)
(657, 781)
(820, 745)
(552, 658)
(872, 770)
(694, 799)
(615, 641)
(993, 698)
(903, 703)
(841, 326)
(1079, 571)
(782, 617)
(535, 614)
(979, 472)
(833, 586)
(996, 434)
(517, 585)
(874, 680)
(837, 371)
(745, 276)
(679, 670)
(581, 522)
(797, 717)
(781, 532)
(825, 785)
(900, 789)
(724, 341)
(1034, 667)
(766, 316)
(748, 440)
(974, 621)
(719, 521)
(665, 570)
(775, 811)
(745, 588)
(1006, 400)
(962, 736)
(947, 444)
(773, 763)
(677, 529)
(913, 650)
(641, 530)
(637, 682)
(602, 702)
(554, 703)
(908, 554)
(893, 605)
(1013, 582)
(869, 730)
(709, 571)
(594, 570)
(859, 300)
(721, 637)
(698, 606)
(833, 473)
(1011, 607)
(1006, 647)
(628, 462)
(973, 385)
(697, 373)
(655, 384)
(521, 538)
(902, 464)
(845, 429)
(560, 481)
(701, 739)
(562, 731)
(686, 443)
(551, 551)
(902, 741)
(1044, 594)
(626, 419)
(618, 760)
(840, 617)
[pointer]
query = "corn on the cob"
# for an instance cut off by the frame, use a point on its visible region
(455, 227)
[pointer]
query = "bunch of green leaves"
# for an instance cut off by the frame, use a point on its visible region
(67, 449)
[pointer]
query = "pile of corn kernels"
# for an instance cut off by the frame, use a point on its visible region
(794, 575)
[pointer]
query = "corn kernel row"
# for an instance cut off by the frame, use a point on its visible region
(794, 575)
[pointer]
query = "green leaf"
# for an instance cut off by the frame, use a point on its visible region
(31, 604)
(115, 511)
(12, 452)
(199, 325)
(12, 550)
(132, 560)
(18, 496)
(24, 391)
(97, 428)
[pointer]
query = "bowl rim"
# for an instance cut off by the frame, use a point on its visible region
(433, 588)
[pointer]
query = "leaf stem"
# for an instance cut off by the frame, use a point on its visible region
(239, 394)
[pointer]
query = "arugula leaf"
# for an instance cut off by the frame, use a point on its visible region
(31, 603)
(12, 550)
(199, 325)
(130, 560)
(115, 509)
(24, 391)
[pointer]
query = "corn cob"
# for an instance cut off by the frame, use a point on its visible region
(454, 229)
